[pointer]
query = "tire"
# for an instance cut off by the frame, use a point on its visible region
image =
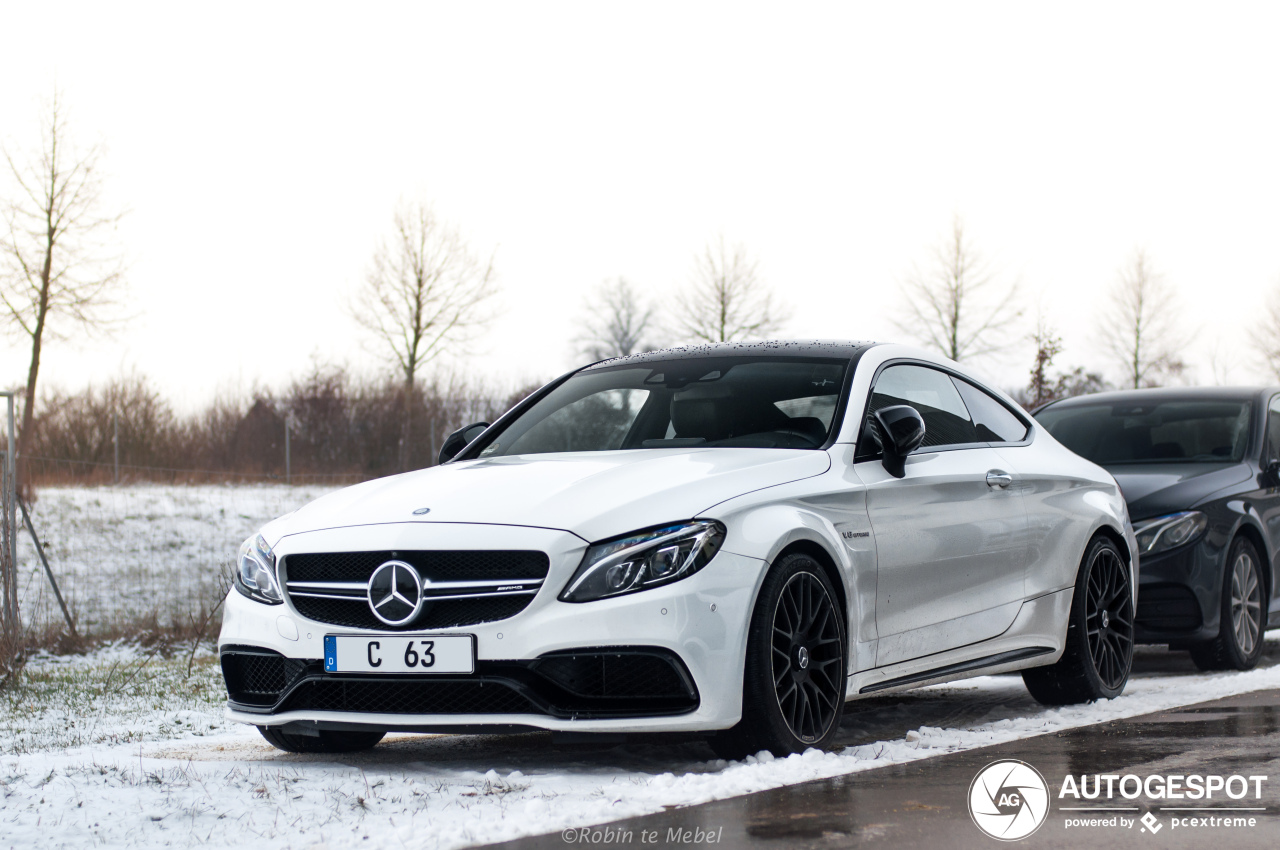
(1098, 654)
(327, 741)
(794, 680)
(1238, 645)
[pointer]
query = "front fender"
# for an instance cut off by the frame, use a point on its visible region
(839, 527)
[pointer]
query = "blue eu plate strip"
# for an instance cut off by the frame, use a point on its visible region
(330, 654)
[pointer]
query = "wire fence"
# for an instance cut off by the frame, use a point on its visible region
(147, 554)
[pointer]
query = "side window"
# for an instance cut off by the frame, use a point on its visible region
(993, 422)
(1273, 430)
(931, 393)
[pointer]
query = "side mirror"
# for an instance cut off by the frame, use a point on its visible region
(460, 439)
(899, 430)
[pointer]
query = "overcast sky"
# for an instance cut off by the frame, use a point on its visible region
(261, 150)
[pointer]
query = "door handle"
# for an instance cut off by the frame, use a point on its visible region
(999, 479)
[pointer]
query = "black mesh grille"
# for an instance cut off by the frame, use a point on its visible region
(614, 675)
(437, 566)
(409, 697)
(259, 677)
(435, 615)
(1167, 608)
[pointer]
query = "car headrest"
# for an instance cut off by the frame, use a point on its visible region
(701, 417)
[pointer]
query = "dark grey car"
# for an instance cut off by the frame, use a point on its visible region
(1200, 471)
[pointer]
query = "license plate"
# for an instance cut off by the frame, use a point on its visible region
(400, 654)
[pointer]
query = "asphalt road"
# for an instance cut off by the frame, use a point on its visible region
(925, 803)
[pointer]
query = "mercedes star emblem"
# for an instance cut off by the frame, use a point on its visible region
(395, 593)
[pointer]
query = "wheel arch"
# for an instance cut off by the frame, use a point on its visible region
(1250, 531)
(817, 552)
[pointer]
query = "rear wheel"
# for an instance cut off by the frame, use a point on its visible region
(1238, 645)
(793, 688)
(1098, 655)
(327, 741)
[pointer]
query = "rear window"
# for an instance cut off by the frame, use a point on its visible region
(1196, 430)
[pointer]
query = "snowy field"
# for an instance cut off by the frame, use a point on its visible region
(146, 760)
(124, 553)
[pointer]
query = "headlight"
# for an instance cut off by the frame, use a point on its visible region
(1167, 532)
(256, 572)
(644, 560)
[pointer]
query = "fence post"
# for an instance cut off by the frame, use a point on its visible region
(10, 626)
(288, 471)
(115, 442)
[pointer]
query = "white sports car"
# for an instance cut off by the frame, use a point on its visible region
(729, 539)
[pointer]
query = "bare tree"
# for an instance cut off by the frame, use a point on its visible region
(1139, 326)
(954, 303)
(726, 300)
(618, 323)
(426, 292)
(1265, 334)
(1042, 388)
(60, 271)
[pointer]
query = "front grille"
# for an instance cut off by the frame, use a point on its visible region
(1167, 608)
(329, 587)
(355, 613)
(258, 676)
(409, 697)
(437, 566)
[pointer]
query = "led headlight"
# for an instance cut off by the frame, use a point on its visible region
(1167, 532)
(643, 560)
(256, 572)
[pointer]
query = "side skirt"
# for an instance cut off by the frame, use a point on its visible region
(961, 667)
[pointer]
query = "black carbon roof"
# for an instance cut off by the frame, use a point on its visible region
(836, 348)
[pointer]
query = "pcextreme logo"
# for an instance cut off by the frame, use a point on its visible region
(1009, 800)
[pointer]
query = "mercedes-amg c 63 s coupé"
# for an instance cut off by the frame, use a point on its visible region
(730, 540)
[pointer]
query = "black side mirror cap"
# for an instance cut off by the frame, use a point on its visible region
(899, 430)
(460, 439)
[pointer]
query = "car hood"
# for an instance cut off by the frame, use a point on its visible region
(1152, 489)
(595, 495)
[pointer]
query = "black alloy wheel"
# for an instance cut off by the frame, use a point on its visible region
(793, 687)
(1238, 645)
(1097, 655)
(808, 680)
(1109, 617)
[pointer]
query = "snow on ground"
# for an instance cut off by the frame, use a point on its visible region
(159, 767)
(121, 553)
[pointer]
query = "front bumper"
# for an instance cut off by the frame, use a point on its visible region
(1179, 594)
(701, 622)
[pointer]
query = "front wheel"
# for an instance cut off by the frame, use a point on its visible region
(327, 741)
(1098, 655)
(1238, 645)
(794, 684)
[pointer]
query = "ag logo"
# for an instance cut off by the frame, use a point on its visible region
(1008, 800)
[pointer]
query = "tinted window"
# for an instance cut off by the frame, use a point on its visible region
(731, 401)
(993, 422)
(931, 393)
(1202, 430)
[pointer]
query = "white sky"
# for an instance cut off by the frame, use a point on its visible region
(261, 149)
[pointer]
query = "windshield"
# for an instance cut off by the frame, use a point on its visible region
(1204, 431)
(754, 402)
